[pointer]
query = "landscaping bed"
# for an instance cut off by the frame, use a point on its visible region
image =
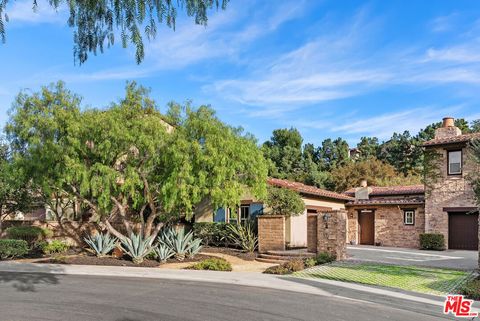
(230, 251)
(411, 278)
(112, 261)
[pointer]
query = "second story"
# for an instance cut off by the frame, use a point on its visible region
(447, 160)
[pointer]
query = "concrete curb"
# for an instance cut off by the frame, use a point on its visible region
(235, 278)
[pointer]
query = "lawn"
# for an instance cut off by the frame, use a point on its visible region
(411, 278)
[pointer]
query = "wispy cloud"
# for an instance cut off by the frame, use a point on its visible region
(23, 12)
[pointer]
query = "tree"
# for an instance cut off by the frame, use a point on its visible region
(96, 23)
(282, 201)
(333, 153)
(474, 176)
(403, 152)
(368, 147)
(125, 163)
(376, 172)
(475, 127)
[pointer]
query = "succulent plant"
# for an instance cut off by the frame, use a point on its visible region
(194, 248)
(137, 247)
(180, 243)
(101, 244)
(163, 252)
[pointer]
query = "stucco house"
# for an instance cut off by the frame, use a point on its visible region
(315, 199)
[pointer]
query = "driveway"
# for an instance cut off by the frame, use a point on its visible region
(452, 259)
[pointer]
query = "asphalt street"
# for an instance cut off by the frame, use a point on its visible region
(39, 296)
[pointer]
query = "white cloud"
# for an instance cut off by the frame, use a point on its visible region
(22, 12)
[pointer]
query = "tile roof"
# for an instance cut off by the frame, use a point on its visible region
(387, 201)
(307, 189)
(452, 140)
(392, 190)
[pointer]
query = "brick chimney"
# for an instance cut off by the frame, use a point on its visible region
(448, 129)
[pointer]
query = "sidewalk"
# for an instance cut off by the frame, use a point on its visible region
(293, 284)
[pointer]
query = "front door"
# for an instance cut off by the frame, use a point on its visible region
(366, 227)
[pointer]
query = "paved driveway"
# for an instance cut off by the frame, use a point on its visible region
(453, 259)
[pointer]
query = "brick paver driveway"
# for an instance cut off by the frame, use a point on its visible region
(453, 259)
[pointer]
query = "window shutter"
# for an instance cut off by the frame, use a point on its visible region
(219, 215)
(255, 210)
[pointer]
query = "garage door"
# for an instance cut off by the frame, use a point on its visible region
(463, 231)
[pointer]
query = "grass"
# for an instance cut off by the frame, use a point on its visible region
(411, 278)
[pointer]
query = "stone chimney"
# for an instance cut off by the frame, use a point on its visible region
(448, 129)
(363, 192)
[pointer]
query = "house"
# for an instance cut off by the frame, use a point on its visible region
(315, 199)
(397, 215)
(388, 216)
(450, 207)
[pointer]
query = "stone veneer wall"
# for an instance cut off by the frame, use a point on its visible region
(390, 229)
(447, 191)
(271, 233)
(331, 233)
(312, 233)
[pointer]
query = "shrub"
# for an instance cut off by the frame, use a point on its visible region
(244, 236)
(432, 241)
(309, 262)
(101, 244)
(55, 247)
(30, 234)
(10, 249)
(324, 257)
(471, 289)
(212, 233)
(287, 267)
(212, 264)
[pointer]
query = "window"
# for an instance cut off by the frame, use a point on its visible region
(455, 162)
(232, 216)
(244, 213)
(409, 217)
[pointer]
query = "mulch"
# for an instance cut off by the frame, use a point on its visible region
(112, 261)
(230, 251)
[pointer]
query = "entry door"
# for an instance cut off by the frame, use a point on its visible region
(366, 226)
(463, 231)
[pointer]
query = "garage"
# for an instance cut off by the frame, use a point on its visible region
(463, 231)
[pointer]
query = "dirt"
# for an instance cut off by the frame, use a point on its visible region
(111, 261)
(229, 251)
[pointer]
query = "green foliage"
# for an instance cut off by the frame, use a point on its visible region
(137, 247)
(368, 148)
(471, 289)
(163, 252)
(432, 241)
(376, 172)
(180, 243)
(287, 267)
(194, 247)
(96, 23)
(474, 176)
(31, 234)
(309, 262)
(244, 236)
(212, 264)
(101, 244)
(403, 152)
(55, 247)
(324, 257)
(10, 249)
(212, 233)
(282, 201)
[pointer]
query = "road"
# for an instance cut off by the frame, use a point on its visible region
(39, 296)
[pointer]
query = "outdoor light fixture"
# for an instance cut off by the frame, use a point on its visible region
(326, 217)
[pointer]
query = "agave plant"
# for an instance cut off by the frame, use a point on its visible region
(194, 248)
(137, 247)
(101, 244)
(163, 252)
(244, 236)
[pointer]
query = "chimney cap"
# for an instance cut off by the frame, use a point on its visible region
(363, 183)
(448, 121)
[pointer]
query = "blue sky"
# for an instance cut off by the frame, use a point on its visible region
(328, 68)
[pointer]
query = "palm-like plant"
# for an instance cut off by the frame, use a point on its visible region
(163, 252)
(101, 244)
(244, 236)
(137, 247)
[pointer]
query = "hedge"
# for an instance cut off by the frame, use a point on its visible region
(432, 241)
(212, 233)
(30, 234)
(10, 249)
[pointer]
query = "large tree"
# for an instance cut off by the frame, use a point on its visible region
(126, 164)
(97, 23)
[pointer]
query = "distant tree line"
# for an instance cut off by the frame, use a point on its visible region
(398, 160)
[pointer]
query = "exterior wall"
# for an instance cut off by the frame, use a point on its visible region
(447, 191)
(204, 212)
(390, 229)
(312, 232)
(333, 204)
(271, 233)
(331, 230)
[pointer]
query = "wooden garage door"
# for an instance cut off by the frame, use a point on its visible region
(463, 231)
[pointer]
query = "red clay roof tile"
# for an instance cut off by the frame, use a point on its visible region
(392, 190)
(452, 140)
